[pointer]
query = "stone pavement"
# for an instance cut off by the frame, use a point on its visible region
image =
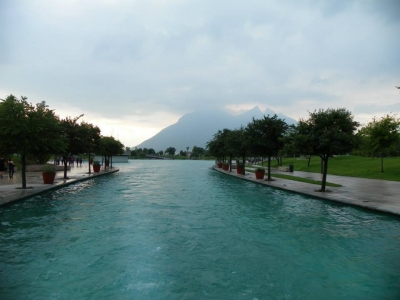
(10, 189)
(379, 195)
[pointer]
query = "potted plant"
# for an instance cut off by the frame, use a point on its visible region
(219, 164)
(49, 173)
(240, 168)
(225, 166)
(259, 172)
(96, 166)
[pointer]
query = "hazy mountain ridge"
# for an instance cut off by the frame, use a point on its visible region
(197, 128)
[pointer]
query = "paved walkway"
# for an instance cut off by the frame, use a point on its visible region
(379, 195)
(10, 189)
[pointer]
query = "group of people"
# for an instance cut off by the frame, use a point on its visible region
(3, 167)
(71, 161)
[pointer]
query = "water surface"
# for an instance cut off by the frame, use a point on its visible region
(179, 230)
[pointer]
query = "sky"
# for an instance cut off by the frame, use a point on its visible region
(135, 67)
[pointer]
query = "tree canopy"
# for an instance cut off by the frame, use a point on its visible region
(266, 137)
(326, 133)
(170, 151)
(28, 129)
(381, 136)
(79, 137)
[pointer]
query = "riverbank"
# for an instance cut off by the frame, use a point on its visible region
(374, 194)
(11, 191)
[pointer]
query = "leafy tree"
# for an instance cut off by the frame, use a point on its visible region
(109, 146)
(197, 151)
(381, 136)
(216, 146)
(28, 129)
(79, 138)
(182, 153)
(326, 133)
(160, 152)
(236, 144)
(170, 151)
(266, 137)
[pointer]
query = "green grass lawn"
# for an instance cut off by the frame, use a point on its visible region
(296, 178)
(353, 166)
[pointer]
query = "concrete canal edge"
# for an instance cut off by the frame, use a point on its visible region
(343, 195)
(14, 193)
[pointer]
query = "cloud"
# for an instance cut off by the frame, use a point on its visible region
(131, 59)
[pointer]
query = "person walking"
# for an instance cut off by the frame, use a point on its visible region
(11, 166)
(2, 166)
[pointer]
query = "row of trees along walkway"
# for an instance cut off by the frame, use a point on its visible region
(36, 132)
(324, 133)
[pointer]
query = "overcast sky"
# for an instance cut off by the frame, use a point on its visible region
(135, 67)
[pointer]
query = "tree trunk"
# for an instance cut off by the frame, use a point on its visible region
(230, 163)
(309, 160)
(23, 162)
(269, 168)
(381, 162)
(244, 165)
(325, 167)
(322, 165)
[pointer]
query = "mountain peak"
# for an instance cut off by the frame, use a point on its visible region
(198, 127)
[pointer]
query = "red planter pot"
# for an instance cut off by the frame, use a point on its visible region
(219, 165)
(259, 174)
(48, 178)
(225, 167)
(96, 169)
(240, 170)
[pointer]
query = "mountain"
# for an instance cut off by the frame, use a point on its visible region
(197, 128)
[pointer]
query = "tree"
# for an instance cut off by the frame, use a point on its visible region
(236, 144)
(327, 132)
(197, 151)
(109, 146)
(381, 136)
(170, 151)
(216, 146)
(266, 137)
(28, 129)
(79, 138)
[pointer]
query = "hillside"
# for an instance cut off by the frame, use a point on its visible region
(197, 128)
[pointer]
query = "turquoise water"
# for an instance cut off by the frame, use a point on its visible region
(179, 230)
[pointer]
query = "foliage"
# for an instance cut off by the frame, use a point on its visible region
(381, 136)
(197, 151)
(142, 152)
(109, 146)
(79, 138)
(96, 163)
(326, 133)
(28, 129)
(49, 168)
(170, 151)
(265, 137)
